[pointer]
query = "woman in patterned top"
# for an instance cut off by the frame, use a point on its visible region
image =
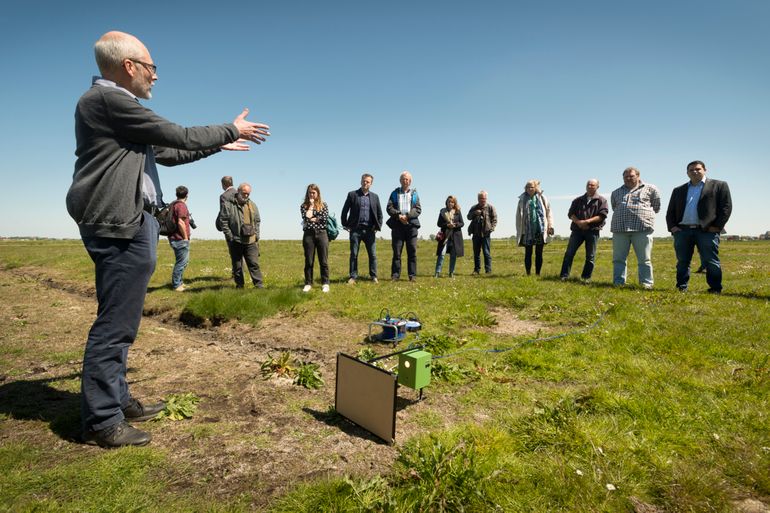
(534, 224)
(314, 214)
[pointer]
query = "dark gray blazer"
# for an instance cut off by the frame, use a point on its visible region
(714, 205)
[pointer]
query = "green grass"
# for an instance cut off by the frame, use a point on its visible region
(666, 399)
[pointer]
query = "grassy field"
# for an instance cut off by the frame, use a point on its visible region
(617, 399)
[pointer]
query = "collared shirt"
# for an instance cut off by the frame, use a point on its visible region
(585, 207)
(364, 204)
(404, 201)
(690, 216)
(151, 191)
(633, 210)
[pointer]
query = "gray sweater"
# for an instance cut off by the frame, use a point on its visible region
(114, 132)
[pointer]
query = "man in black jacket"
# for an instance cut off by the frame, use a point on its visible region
(362, 217)
(115, 191)
(696, 215)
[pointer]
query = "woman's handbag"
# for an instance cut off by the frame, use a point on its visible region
(440, 236)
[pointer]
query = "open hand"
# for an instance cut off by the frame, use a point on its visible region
(239, 145)
(254, 132)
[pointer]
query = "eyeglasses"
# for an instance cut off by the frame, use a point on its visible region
(152, 68)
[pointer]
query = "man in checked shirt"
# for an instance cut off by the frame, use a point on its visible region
(634, 205)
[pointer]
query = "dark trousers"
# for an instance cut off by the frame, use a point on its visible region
(482, 244)
(249, 253)
(123, 270)
(401, 235)
(685, 242)
(368, 237)
(576, 239)
(538, 258)
(316, 241)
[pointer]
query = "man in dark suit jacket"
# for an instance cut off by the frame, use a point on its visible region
(362, 217)
(696, 215)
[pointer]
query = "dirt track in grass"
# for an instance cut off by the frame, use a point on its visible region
(249, 434)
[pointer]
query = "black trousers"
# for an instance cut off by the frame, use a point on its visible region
(404, 235)
(250, 253)
(538, 257)
(316, 241)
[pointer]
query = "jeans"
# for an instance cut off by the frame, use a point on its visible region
(123, 268)
(440, 260)
(249, 252)
(685, 241)
(312, 241)
(401, 235)
(576, 239)
(621, 245)
(182, 253)
(538, 258)
(368, 237)
(482, 244)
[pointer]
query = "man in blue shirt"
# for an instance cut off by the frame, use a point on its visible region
(362, 217)
(696, 215)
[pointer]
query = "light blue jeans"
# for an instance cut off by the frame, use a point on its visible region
(182, 256)
(440, 260)
(621, 245)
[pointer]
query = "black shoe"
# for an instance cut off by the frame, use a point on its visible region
(714, 291)
(413, 278)
(137, 412)
(121, 434)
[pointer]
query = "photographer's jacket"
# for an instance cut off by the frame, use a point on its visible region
(240, 223)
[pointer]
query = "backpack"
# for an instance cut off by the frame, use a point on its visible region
(332, 226)
(165, 217)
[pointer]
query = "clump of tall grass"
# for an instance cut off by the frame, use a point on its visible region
(249, 306)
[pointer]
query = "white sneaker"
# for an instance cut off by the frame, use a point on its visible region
(306, 288)
(325, 288)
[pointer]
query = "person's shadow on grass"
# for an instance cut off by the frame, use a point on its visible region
(38, 400)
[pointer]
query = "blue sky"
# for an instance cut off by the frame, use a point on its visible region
(464, 95)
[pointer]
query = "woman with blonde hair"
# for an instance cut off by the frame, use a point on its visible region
(315, 213)
(534, 224)
(450, 237)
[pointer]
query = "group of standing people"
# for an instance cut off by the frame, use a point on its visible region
(634, 206)
(696, 216)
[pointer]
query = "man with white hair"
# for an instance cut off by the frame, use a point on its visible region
(404, 211)
(114, 193)
(483, 221)
(587, 213)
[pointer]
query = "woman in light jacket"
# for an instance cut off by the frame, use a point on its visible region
(315, 213)
(534, 224)
(450, 220)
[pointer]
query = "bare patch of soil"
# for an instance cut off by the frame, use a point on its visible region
(248, 433)
(508, 323)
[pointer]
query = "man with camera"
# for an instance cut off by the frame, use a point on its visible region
(180, 239)
(240, 220)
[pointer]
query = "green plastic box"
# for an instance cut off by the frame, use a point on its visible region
(414, 369)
